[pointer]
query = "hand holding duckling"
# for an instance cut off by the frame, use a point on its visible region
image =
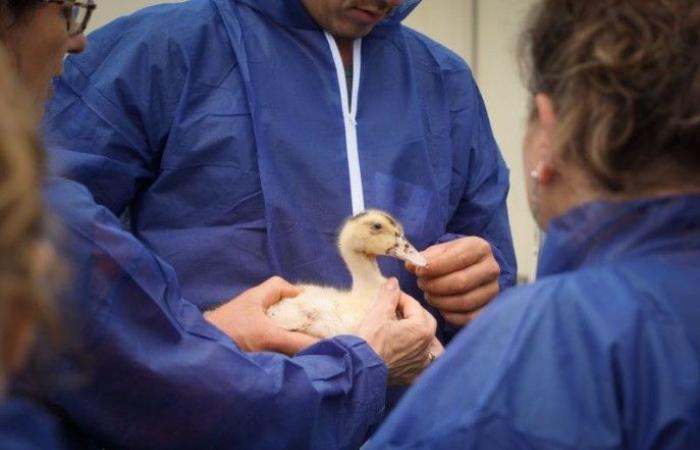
(245, 321)
(407, 345)
(460, 279)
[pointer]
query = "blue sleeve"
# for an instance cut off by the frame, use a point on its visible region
(161, 377)
(481, 204)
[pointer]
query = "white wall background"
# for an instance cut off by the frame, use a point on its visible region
(484, 32)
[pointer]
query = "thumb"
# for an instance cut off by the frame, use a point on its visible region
(275, 289)
(388, 299)
(291, 342)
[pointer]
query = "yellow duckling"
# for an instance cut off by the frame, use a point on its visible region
(323, 311)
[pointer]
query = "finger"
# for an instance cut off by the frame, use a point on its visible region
(388, 299)
(461, 281)
(409, 308)
(465, 303)
(410, 267)
(290, 342)
(429, 254)
(275, 289)
(453, 256)
(432, 321)
(461, 320)
(436, 347)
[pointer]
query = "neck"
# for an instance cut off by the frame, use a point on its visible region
(366, 277)
(345, 49)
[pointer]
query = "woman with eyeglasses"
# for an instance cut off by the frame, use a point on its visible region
(37, 34)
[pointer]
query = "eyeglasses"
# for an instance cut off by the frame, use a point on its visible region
(77, 14)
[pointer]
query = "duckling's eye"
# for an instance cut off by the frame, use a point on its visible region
(376, 226)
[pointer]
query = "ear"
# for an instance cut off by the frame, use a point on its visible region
(543, 173)
(546, 117)
(545, 110)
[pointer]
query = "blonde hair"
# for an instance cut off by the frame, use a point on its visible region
(624, 78)
(24, 294)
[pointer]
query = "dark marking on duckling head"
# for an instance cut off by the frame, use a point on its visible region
(359, 215)
(391, 220)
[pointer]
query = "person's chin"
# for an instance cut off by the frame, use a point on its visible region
(353, 32)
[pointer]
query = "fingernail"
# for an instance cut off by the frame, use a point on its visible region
(392, 284)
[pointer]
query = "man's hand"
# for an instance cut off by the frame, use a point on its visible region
(244, 320)
(460, 279)
(404, 344)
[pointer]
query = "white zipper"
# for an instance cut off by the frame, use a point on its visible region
(349, 115)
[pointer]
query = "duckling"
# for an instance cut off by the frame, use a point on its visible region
(324, 311)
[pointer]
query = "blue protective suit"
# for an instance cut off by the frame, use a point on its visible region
(223, 127)
(602, 352)
(154, 374)
(25, 427)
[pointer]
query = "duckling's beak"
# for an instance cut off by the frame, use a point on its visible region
(404, 251)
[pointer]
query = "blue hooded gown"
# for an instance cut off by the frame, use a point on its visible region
(602, 352)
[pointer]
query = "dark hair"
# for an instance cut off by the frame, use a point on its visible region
(12, 11)
(18, 7)
(624, 78)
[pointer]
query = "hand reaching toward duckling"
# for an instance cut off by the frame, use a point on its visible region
(460, 280)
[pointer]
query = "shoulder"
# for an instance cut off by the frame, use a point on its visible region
(596, 295)
(431, 53)
(529, 347)
(587, 313)
(156, 36)
(442, 68)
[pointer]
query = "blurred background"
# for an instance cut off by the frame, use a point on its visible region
(485, 34)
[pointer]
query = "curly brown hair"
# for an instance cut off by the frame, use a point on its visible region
(624, 78)
(24, 290)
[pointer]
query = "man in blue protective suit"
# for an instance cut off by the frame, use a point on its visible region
(237, 142)
(241, 139)
(603, 351)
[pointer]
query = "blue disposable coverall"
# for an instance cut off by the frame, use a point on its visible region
(602, 352)
(154, 374)
(23, 426)
(223, 127)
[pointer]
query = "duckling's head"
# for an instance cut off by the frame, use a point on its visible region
(374, 232)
